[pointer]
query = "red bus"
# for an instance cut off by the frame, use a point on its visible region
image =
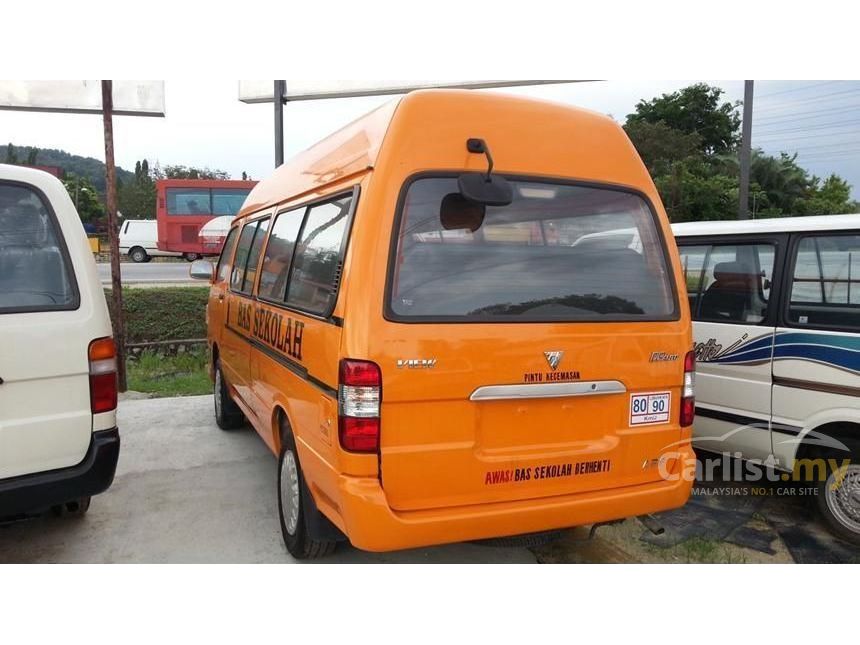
(183, 206)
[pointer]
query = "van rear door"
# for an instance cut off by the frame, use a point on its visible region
(519, 364)
(45, 414)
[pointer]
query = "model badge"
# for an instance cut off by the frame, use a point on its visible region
(416, 363)
(657, 357)
(553, 358)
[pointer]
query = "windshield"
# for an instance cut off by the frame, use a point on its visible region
(557, 252)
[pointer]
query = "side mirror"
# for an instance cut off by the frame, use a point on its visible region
(202, 270)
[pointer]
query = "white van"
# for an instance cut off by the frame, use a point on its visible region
(776, 311)
(138, 239)
(58, 438)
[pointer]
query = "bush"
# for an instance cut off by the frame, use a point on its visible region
(169, 313)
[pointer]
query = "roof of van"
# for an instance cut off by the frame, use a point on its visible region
(357, 146)
(770, 225)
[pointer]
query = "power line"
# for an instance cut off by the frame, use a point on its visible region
(834, 156)
(771, 120)
(813, 99)
(820, 126)
(817, 146)
(796, 89)
(812, 135)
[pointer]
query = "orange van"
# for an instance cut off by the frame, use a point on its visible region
(411, 316)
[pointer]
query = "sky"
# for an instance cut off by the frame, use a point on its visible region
(207, 126)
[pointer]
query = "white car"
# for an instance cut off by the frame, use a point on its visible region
(138, 240)
(59, 442)
(776, 325)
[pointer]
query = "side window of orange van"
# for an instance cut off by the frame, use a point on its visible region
(279, 255)
(254, 255)
(243, 248)
(317, 264)
(226, 252)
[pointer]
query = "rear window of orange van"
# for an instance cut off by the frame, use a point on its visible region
(558, 252)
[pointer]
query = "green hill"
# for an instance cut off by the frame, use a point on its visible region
(89, 167)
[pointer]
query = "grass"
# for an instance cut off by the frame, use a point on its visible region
(699, 550)
(165, 313)
(180, 375)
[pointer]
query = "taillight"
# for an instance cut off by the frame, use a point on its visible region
(102, 355)
(688, 394)
(358, 398)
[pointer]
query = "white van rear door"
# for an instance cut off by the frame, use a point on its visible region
(45, 327)
(729, 289)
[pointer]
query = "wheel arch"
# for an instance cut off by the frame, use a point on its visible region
(845, 432)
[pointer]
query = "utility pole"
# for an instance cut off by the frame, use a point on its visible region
(745, 153)
(280, 90)
(113, 235)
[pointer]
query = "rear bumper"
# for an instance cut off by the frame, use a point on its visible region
(38, 491)
(372, 525)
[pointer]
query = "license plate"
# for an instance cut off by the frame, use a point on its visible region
(650, 407)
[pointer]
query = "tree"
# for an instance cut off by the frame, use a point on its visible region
(833, 197)
(660, 146)
(136, 199)
(688, 141)
(11, 154)
(692, 191)
(190, 172)
(696, 109)
(85, 197)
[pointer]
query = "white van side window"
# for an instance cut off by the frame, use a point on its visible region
(34, 267)
(825, 288)
(728, 282)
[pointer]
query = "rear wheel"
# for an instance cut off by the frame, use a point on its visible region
(138, 254)
(291, 509)
(228, 416)
(839, 502)
(75, 508)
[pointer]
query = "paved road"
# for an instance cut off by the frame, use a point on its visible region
(186, 491)
(152, 272)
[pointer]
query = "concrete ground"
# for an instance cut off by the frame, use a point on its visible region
(186, 491)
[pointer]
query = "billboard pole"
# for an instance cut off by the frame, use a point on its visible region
(280, 90)
(113, 236)
(745, 152)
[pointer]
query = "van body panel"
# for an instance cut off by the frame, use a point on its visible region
(365, 514)
(445, 467)
(438, 447)
(46, 421)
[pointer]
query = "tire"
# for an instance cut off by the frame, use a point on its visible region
(190, 257)
(839, 503)
(228, 416)
(75, 508)
(138, 254)
(291, 507)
